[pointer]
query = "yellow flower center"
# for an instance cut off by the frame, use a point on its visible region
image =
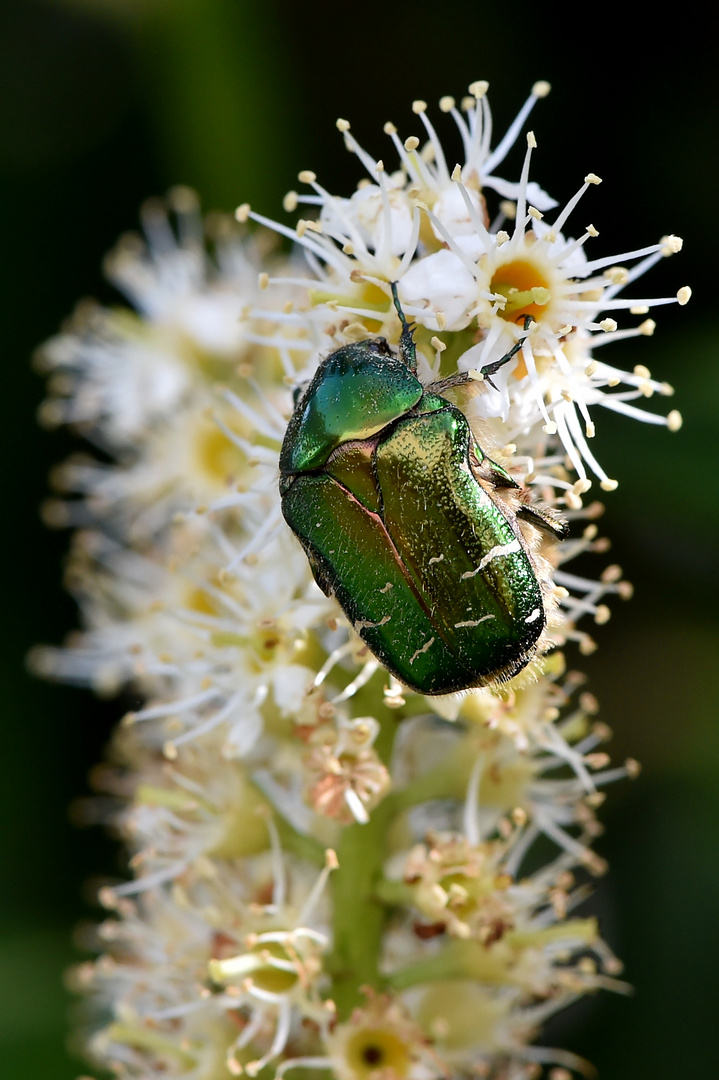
(273, 979)
(373, 1050)
(526, 290)
(217, 456)
(200, 601)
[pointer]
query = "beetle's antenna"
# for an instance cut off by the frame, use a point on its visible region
(490, 369)
(407, 347)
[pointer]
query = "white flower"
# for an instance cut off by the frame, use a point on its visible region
(427, 227)
(115, 371)
(501, 762)
(487, 925)
(185, 972)
(122, 371)
(380, 1039)
(175, 285)
(140, 385)
(243, 646)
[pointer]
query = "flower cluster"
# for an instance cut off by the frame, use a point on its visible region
(329, 871)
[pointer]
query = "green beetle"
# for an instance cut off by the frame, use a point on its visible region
(396, 508)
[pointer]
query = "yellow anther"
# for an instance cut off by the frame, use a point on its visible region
(478, 89)
(671, 245)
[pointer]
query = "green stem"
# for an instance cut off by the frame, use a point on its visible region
(359, 915)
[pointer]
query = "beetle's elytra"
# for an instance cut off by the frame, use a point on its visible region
(395, 506)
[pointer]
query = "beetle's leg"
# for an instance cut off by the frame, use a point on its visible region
(497, 476)
(407, 347)
(490, 369)
(462, 377)
(544, 519)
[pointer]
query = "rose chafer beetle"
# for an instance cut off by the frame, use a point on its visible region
(401, 516)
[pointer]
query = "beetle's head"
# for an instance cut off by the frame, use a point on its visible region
(380, 346)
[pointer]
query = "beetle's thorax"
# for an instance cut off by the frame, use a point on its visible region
(355, 393)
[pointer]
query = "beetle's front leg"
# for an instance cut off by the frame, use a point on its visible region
(463, 377)
(489, 369)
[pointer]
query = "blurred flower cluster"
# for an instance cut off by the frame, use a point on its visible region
(328, 872)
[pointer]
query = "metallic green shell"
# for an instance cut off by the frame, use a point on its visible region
(356, 392)
(427, 566)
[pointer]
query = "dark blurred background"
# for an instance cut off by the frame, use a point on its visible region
(104, 102)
